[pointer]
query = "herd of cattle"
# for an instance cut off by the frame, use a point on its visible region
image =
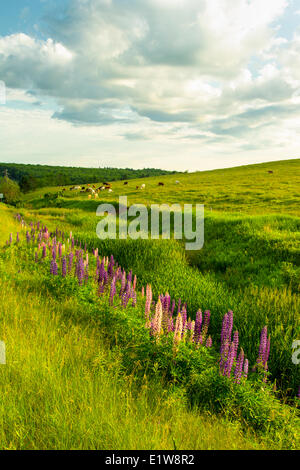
(92, 190)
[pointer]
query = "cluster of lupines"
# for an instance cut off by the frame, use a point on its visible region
(160, 320)
(229, 360)
(264, 352)
(159, 316)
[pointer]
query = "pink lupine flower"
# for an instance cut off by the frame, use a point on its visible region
(178, 330)
(157, 321)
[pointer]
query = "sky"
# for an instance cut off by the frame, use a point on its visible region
(173, 84)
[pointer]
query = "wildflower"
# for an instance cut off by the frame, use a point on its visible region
(64, 267)
(54, 268)
(239, 367)
(178, 330)
(112, 291)
(198, 325)
(157, 321)
(246, 368)
(148, 302)
(209, 342)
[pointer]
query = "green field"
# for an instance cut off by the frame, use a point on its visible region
(81, 374)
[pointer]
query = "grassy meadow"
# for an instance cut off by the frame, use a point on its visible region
(84, 373)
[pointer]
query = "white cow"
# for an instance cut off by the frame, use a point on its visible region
(143, 186)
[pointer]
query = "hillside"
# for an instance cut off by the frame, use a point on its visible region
(247, 189)
(250, 264)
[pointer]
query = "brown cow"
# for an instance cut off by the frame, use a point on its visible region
(270, 172)
(137, 187)
(161, 184)
(126, 182)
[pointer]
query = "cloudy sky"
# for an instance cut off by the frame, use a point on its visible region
(175, 84)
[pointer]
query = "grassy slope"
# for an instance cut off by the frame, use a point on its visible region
(247, 189)
(62, 387)
(250, 262)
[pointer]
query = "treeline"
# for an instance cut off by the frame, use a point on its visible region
(31, 177)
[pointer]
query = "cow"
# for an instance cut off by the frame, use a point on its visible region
(177, 182)
(102, 188)
(137, 187)
(126, 182)
(270, 172)
(161, 184)
(143, 186)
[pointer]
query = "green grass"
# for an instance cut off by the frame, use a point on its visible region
(250, 263)
(246, 189)
(63, 386)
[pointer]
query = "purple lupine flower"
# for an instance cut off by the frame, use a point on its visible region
(198, 325)
(54, 268)
(10, 239)
(230, 360)
(173, 307)
(80, 271)
(18, 238)
(206, 322)
(236, 343)
(70, 261)
(112, 291)
(262, 345)
(209, 342)
(224, 331)
(28, 237)
(64, 267)
(60, 250)
(224, 356)
(239, 367)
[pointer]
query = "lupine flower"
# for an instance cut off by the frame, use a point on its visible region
(64, 267)
(178, 330)
(246, 368)
(112, 291)
(198, 325)
(209, 342)
(230, 360)
(157, 321)
(148, 302)
(54, 268)
(239, 367)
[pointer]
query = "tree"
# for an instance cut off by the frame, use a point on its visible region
(10, 189)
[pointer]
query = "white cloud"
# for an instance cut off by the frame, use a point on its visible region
(162, 70)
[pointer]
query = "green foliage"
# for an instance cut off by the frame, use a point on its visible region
(11, 191)
(31, 177)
